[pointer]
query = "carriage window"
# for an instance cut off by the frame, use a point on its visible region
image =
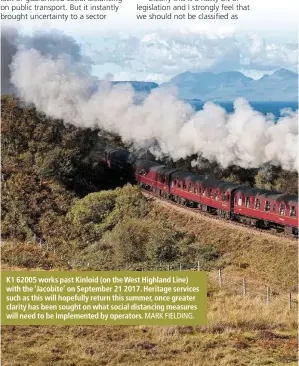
(274, 208)
(217, 195)
(184, 186)
(267, 206)
(211, 192)
(240, 201)
(190, 187)
(247, 202)
(223, 197)
(172, 184)
(293, 211)
(204, 193)
(257, 204)
(195, 189)
(282, 209)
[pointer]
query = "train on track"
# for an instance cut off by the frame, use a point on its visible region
(252, 206)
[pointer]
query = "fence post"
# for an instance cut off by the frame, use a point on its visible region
(198, 266)
(180, 266)
(220, 277)
(244, 287)
(290, 300)
(268, 295)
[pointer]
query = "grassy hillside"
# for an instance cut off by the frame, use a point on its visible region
(262, 258)
(60, 211)
(175, 346)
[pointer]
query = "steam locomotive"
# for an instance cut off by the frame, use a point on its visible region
(252, 206)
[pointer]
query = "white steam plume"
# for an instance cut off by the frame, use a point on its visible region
(60, 87)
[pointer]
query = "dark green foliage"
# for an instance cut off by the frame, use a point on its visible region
(57, 192)
(45, 165)
(36, 144)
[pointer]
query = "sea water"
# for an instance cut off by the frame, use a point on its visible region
(263, 107)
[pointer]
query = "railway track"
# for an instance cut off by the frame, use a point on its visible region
(211, 217)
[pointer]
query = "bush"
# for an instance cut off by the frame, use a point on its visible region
(129, 240)
(131, 203)
(139, 240)
(93, 215)
(206, 255)
(163, 242)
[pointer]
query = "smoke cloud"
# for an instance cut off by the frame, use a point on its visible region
(58, 81)
(8, 50)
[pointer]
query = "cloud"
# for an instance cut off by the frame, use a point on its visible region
(60, 85)
(168, 53)
(8, 50)
(162, 54)
(51, 43)
(257, 54)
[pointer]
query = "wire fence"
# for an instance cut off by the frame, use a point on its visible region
(218, 278)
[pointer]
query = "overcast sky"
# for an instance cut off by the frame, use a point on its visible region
(264, 40)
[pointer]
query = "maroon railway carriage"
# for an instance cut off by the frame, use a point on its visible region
(268, 209)
(206, 193)
(252, 206)
(153, 176)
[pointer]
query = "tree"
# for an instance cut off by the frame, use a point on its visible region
(35, 143)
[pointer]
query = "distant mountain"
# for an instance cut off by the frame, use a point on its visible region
(282, 85)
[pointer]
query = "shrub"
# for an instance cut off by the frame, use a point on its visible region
(129, 240)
